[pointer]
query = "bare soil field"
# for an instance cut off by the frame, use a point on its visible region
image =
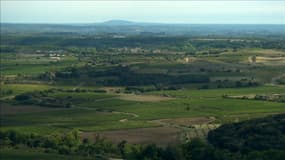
(6, 109)
(268, 52)
(260, 59)
(112, 89)
(186, 121)
(248, 96)
(143, 98)
(161, 136)
(267, 60)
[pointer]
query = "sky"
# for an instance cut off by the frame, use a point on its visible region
(190, 12)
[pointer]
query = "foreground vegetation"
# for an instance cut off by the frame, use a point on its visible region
(247, 140)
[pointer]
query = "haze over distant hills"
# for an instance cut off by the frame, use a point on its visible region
(127, 22)
(117, 22)
(138, 28)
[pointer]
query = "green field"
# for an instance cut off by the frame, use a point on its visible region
(103, 111)
(98, 111)
(168, 89)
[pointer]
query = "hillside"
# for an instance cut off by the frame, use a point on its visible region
(254, 135)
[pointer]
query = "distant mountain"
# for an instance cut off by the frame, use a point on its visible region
(128, 23)
(118, 22)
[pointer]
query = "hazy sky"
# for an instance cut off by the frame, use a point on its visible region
(238, 12)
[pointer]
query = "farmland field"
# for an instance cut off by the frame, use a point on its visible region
(66, 96)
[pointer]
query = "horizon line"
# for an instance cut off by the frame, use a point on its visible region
(138, 23)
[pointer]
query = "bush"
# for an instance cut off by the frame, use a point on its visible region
(24, 96)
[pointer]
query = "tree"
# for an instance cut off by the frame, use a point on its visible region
(121, 147)
(194, 150)
(72, 138)
(49, 76)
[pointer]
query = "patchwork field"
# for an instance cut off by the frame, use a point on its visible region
(171, 115)
(116, 96)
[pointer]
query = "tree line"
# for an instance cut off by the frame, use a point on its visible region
(123, 76)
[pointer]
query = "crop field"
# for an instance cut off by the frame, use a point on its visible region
(182, 110)
(133, 91)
